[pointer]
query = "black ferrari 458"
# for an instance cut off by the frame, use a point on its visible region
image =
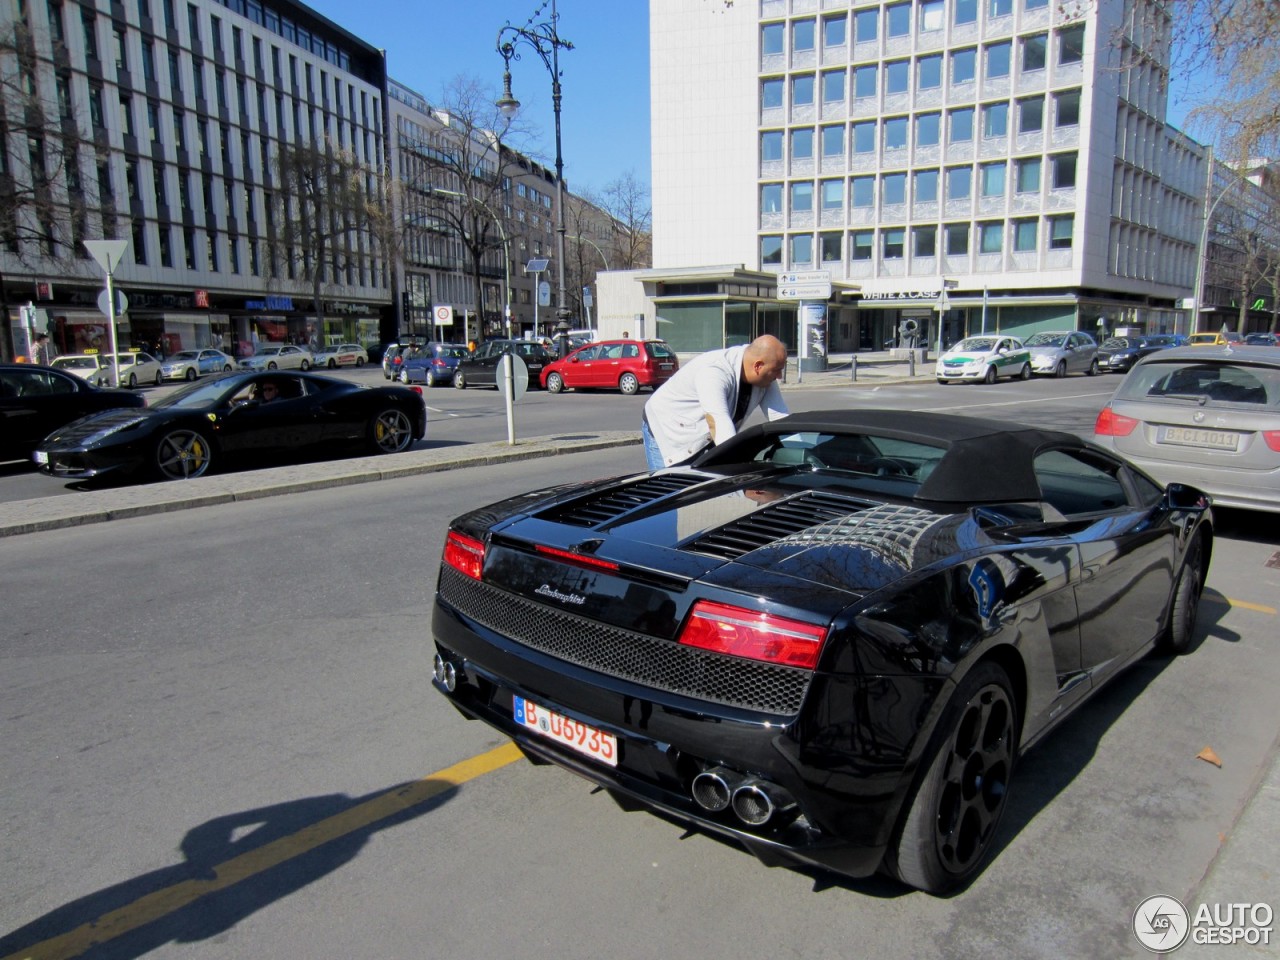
(829, 638)
(265, 416)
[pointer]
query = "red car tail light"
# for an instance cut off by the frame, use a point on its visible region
(739, 632)
(1112, 424)
(577, 559)
(464, 554)
(1273, 439)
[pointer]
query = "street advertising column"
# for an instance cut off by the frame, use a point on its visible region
(813, 335)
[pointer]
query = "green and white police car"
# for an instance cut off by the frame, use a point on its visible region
(986, 359)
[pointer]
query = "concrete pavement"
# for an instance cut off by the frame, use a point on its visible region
(1244, 868)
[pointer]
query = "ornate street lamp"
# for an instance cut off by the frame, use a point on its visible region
(544, 39)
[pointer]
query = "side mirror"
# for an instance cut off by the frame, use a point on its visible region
(1179, 496)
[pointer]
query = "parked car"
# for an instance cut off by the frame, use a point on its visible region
(278, 356)
(1208, 416)
(391, 360)
(1261, 340)
(35, 401)
(831, 637)
(625, 365)
(234, 419)
(986, 359)
(83, 365)
(432, 363)
(1118, 354)
(340, 355)
(1219, 339)
(481, 367)
(189, 364)
(1060, 353)
(135, 367)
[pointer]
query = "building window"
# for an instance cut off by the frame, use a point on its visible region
(995, 120)
(802, 143)
(864, 137)
(991, 237)
(175, 74)
(771, 40)
(961, 125)
(895, 133)
(1060, 229)
(148, 61)
(802, 90)
(1035, 4)
(830, 244)
(833, 141)
(802, 36)
(55, 22)
(1000, 8)
(833, 86)
(95, 105)
(993, 179)
(1029, 175)
(1031, 115)
(771, 145)
(802, 197)
(211, 248)
(126, 114)
(966, 11)
(120, 49)
(897, 76)
(1071, 44)
(166, 250)
(834, 30)
(924, 241)
(832, 194)
(771, 250)
(1067, 108)
(1024, 235)
(959, 182)
(862, 191)
(1034, 52)
(898, 20)
(893, 243)
(964, 65)
(929, 72)
(802, 248)
(139, 242)
(998, 59)
(771, 198)
(153, 121)
(926, 186)
(866, 25)
(957, 239)
(189, 247)
(893, 188)
(861, 244)
(1064, 171)
(928, 129)
(864, 82)
(157, 183)
(932, 15)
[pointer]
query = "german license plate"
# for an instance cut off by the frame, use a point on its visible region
(572, 733)
(40, 457)
(664, 366)
(1200, 437)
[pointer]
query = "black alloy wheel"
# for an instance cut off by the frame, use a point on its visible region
(390, 432)
(953, 815)
(182, 454)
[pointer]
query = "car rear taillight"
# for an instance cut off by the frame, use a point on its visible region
(577, 559)
(464, 554)
(1112, 424)
(752, 634)
(1273, 439)
(437, 362)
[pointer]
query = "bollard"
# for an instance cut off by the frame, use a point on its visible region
(853, 368)
(911, 362)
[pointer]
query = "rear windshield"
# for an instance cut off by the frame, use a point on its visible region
(658, 348)
(1207, 383)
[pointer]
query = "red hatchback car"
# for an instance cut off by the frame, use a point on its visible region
(625, 365)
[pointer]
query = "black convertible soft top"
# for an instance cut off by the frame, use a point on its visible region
(986, 461)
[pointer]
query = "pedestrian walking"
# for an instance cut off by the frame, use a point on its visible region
(42, 350)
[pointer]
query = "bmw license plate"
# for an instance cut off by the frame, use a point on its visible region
(594, 743)
(1199, 437)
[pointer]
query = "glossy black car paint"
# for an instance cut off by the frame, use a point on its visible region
(917, 590)
(320, 414)
(36, 400)
(480, 369)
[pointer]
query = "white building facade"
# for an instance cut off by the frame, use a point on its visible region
(1010, 152)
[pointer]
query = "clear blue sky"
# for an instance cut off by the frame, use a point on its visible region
(605, 77)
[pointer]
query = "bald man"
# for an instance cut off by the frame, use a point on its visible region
(709, 397)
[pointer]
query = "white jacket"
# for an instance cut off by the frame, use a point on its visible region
(707, 384)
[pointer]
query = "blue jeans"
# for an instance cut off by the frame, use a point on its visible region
(652, 455)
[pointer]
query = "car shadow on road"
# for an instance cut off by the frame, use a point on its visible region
(234, 866)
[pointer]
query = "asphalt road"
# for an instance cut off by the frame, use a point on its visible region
(219, 740)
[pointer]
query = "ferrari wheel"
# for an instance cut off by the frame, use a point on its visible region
(629, 384)
(953, 815)
(459, 381)
(555, 383)
(1177, 636)
(1025, 372)
(191, 373)
(182, 454)
(990, 375)
(390, 432)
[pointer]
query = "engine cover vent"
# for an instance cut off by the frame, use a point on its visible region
(775, 521)
(606, 505)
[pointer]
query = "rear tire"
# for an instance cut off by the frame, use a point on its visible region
(133, 381)
(629, 384)
(159, 378)
(459, 380)
(404, 377)
(1178, 635)
(1093, 367)
(1025, 372)
(182, 454)
(555, 383)
(390, 432)
(954, 813)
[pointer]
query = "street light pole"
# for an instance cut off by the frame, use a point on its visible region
(544, 39)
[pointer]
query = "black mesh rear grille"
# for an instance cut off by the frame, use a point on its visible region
(777, 520)
(602, 507)
(625, 654)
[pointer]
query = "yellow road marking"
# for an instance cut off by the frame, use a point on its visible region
(1243, 604)
(153, 906)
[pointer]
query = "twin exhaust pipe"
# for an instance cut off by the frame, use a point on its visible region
(755, 802)
(445, 673)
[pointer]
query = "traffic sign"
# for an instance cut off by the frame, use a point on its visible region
(443, 315)
(805, 285)
(519, 376)
(122, 303)
(544, 294)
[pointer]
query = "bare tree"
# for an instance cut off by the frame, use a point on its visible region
(331, 222)
(44, 209)
(627, 201)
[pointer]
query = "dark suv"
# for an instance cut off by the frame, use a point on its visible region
(481, 367)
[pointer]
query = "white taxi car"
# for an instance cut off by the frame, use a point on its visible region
(984, 358)
(340, 355)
